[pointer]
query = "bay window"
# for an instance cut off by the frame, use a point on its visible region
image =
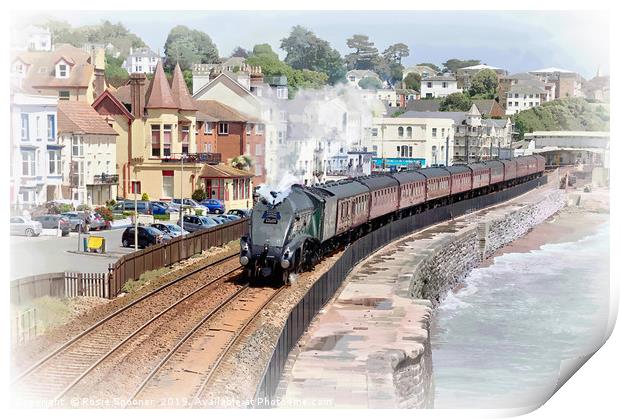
(25, 129)
(155, 141)
(28, 163)
(185, 139)
(54, 162)
(167, 139)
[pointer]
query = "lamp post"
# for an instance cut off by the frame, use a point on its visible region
(447, 146)
(182, 158)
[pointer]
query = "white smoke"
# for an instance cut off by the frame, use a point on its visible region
(276, 194)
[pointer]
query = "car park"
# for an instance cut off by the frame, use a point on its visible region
(147, 236)
(76, 220)
(54, 221)
(215, 206)
(193, 223)
(173, 230)
(22, 226)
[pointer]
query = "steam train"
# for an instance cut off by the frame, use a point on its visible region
(293, 234)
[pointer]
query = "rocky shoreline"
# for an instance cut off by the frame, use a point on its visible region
(371, 346)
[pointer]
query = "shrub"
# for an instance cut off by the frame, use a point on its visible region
(161, 216)
(199, 195)
(105, 212)
(198, 211)
(145, 197)
(58, 208)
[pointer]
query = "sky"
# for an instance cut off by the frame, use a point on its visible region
(514, 40)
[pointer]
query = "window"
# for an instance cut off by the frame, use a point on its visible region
(223, 128)
(429, 84)
(138, 59)
(375, 132)
(208, 128)
(409, 132)
(401, 132)
(54, 162)
(444, 85)
(167, 183)
(509, 103)
(516, 95)
(25, 128)
(281, 92)
(516, 103)
(434, 131)
(28, 163)
(38, 127)
(260, 129)
(429, 95)
(155, 141)
(280, 137)
(62, 71)
(167, 139)
(138, 68)
(64, 95)
(258, 150)
(185, 139)
(51, 127)
(77, 148)
(509, 94)
(248, 128)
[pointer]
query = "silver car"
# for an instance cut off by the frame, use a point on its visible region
(22, 226)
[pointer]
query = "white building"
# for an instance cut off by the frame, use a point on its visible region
(36, 174)
(32, 38)
(141, 60)
(411, 141)
(439, 86)
(88, 154)
(524, 96)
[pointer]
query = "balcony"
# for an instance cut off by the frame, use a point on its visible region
(208, 158)
(105, 179)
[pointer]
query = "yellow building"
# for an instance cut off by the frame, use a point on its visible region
(157, 135)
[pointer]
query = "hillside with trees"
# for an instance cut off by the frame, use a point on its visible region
(568, 114)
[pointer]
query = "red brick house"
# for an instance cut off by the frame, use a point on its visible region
(221, 129)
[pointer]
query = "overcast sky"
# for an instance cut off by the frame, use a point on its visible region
(516, 41)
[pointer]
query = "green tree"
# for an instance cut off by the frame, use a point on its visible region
(304, 50)
(242, 162)
(115, 74)
(455, 102)
(412, 81)
(188, 46)
(240, 52)
(199, 195)
(365, 56)
(454, 64)
(431, 65)
(370, 83)
(396, 52)
(484, 84)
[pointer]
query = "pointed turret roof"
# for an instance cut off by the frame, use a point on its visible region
(180, 92)
(473, 110)
(159, 95)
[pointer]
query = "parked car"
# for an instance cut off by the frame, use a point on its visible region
(76, 220)
(243, 213)
(218, 219)
(188, 202)
(54, 221)
(173, 230)
(22, 226)
(147, 236)
(230, 217)
(96, 222)
(215, 206)
(144, 207)
(193, 223)
(167, 205)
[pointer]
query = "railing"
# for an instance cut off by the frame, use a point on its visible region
(324, 288)
(209, 158)
(104, 179)
(132, 265)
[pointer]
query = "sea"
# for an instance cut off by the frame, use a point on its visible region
(502, 340)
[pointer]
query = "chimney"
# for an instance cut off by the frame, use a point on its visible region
(99, 81)
(137, 84)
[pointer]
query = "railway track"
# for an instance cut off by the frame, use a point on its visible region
(188, 370)
(53, 376)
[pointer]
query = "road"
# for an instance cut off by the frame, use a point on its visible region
(44, 254)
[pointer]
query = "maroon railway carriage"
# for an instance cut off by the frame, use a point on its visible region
(540, 163)
(383, 194)
(353, 204)
(437, 182)
(412, 188)
(460, 178)
(510, 169)
(526, 165)
(481, 175)
(496, 169)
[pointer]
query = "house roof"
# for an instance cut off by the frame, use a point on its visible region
(41, 67)
(519, 76)
(525, 87)
(442, 77)
(424, 105)
(159, 94)
(222, 170)
(179, 91)
(214, 111)
(80, 118)
(457, 117)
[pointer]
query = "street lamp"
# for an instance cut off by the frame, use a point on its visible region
(447, 146)
(182, 158)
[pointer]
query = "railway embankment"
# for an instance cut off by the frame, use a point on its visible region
(371, 346)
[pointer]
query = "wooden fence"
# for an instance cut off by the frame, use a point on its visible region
(24, 327)
(130, 266)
